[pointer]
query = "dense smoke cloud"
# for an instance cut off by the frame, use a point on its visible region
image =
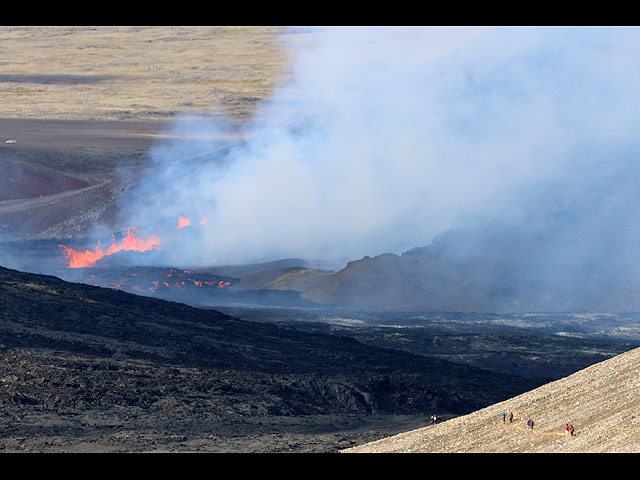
(386, 137)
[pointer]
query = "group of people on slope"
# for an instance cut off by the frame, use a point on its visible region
(568, 429)
(503, 417)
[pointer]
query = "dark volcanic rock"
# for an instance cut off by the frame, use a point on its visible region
(78, 350)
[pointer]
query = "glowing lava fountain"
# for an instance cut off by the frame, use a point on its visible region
(130, 242)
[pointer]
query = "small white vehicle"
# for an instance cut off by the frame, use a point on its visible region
(11, 140)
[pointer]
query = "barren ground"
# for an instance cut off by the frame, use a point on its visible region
(600, 401)
(80, 102)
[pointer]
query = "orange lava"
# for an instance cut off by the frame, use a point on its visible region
(183, 222)
(131, 242)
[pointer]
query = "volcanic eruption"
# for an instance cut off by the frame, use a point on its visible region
(130, 242)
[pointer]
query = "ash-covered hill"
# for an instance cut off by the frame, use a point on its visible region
(601, 403)
(495, 268)
(78, 357)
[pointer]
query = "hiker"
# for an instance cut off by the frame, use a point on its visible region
(503, 416)
(530, 424)
(511, 417)
(571, 430)
(433, 419)
(567, 431)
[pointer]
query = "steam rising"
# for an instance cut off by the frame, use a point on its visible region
(388, 137)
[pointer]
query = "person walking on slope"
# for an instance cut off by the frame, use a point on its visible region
(511, 417)
(433, 419)
(530, 424)
(571, 430)
(503, 417)
(567, 431)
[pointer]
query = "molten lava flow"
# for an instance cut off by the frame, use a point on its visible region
(131, 242)
(79, 259)
(186, 279)
(183, 222)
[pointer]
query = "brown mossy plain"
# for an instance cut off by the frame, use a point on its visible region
(138, 73)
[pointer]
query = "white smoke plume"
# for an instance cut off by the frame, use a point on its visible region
(387, 137)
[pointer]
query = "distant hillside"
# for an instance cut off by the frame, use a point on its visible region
(495, 268)
(601, 402)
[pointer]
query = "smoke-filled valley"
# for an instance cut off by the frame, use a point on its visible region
(314, 224)
(455, 169)
(386, 138)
